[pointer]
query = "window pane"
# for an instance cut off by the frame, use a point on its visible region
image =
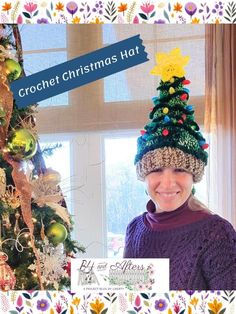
(34, 63)
(38, 37)
(125, 195)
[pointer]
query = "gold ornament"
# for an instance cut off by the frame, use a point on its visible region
(51, 177)
(21, 144)
(56, 233)
(14, 68)
(7, 277)
(11, 197)
(6, 221)
(171, 90)
(2, 182)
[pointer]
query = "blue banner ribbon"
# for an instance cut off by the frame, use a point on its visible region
(79, 71)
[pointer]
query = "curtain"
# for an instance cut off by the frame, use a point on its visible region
(220, 118)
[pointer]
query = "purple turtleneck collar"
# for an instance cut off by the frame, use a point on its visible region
(183, 215)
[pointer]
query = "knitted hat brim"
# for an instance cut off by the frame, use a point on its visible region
(169, 157)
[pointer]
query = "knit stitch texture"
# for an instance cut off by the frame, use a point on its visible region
(202, 254)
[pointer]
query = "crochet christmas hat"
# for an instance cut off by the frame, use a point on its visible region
(172, 137)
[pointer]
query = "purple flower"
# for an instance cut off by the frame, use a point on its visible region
(160, 305)
(190, 8)
(72, 7)
(42, 305)
(190, 292)
(42, 21)
(218, 8)
(160, 21)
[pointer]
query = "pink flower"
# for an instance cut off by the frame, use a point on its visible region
(19, 19)
(136, 20)
(19, 301)
(30, 7)
(147, 7)
(137, 301)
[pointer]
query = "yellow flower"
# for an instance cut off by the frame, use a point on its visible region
(215, 306)
(97, 306)
(60, 6)
(6, 6)
(72, 310)
(170, 64)
(169, 311)
(178, 7)
(97, 21)
(194, 301)
(195, 21)
(76, 301)
(217, 21)
(75, 20)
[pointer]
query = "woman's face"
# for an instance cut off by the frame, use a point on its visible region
(169, 188)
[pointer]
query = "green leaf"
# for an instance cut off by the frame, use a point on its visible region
(104, 311)
(169, 6)
(224, 298)
(167, 296)
(222, 311)
(146, 303)
(26, 295)
(182, 312)
(211, 312)
(13, 312)
(166, 16)
(229, 14)
(114, 18)
(35, 294)
(233, 297)
(106, 298)
(28, 303)
(51, 6)
(143, 16)
(26, 14)
(227, 19)
(49, 296)
(64, 312)
(36, 13)
(48, 14)
(114, 300)
(131, 312)
(145, 296)
(93, 312)
(153, 13)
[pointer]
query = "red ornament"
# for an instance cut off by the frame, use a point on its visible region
(205, 146)
(180, 121)
(165, 132)
(186, 82)
(184, 116)
(142, 132)
(183, 96)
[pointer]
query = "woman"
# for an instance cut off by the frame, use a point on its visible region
(171, 157)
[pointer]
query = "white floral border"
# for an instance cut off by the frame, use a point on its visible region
(118, 12)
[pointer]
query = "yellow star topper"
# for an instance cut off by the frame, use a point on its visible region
(170, 64)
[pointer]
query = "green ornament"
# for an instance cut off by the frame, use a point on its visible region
(13, 68)
(22, 144)
(56, 233)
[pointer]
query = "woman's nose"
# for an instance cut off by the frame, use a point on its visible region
(168, 180)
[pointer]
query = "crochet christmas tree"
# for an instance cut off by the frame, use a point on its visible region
(172, 118)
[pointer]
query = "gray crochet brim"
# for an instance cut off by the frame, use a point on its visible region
(169, 157)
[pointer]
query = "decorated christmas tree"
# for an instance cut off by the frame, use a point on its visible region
(35, 225)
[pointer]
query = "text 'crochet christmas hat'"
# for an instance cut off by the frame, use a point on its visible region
(172, 137)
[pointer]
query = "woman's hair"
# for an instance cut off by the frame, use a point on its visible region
(195, 205)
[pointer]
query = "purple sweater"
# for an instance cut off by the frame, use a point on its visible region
(201, 247)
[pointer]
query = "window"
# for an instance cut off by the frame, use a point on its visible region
(125, 195)
(46, 50)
